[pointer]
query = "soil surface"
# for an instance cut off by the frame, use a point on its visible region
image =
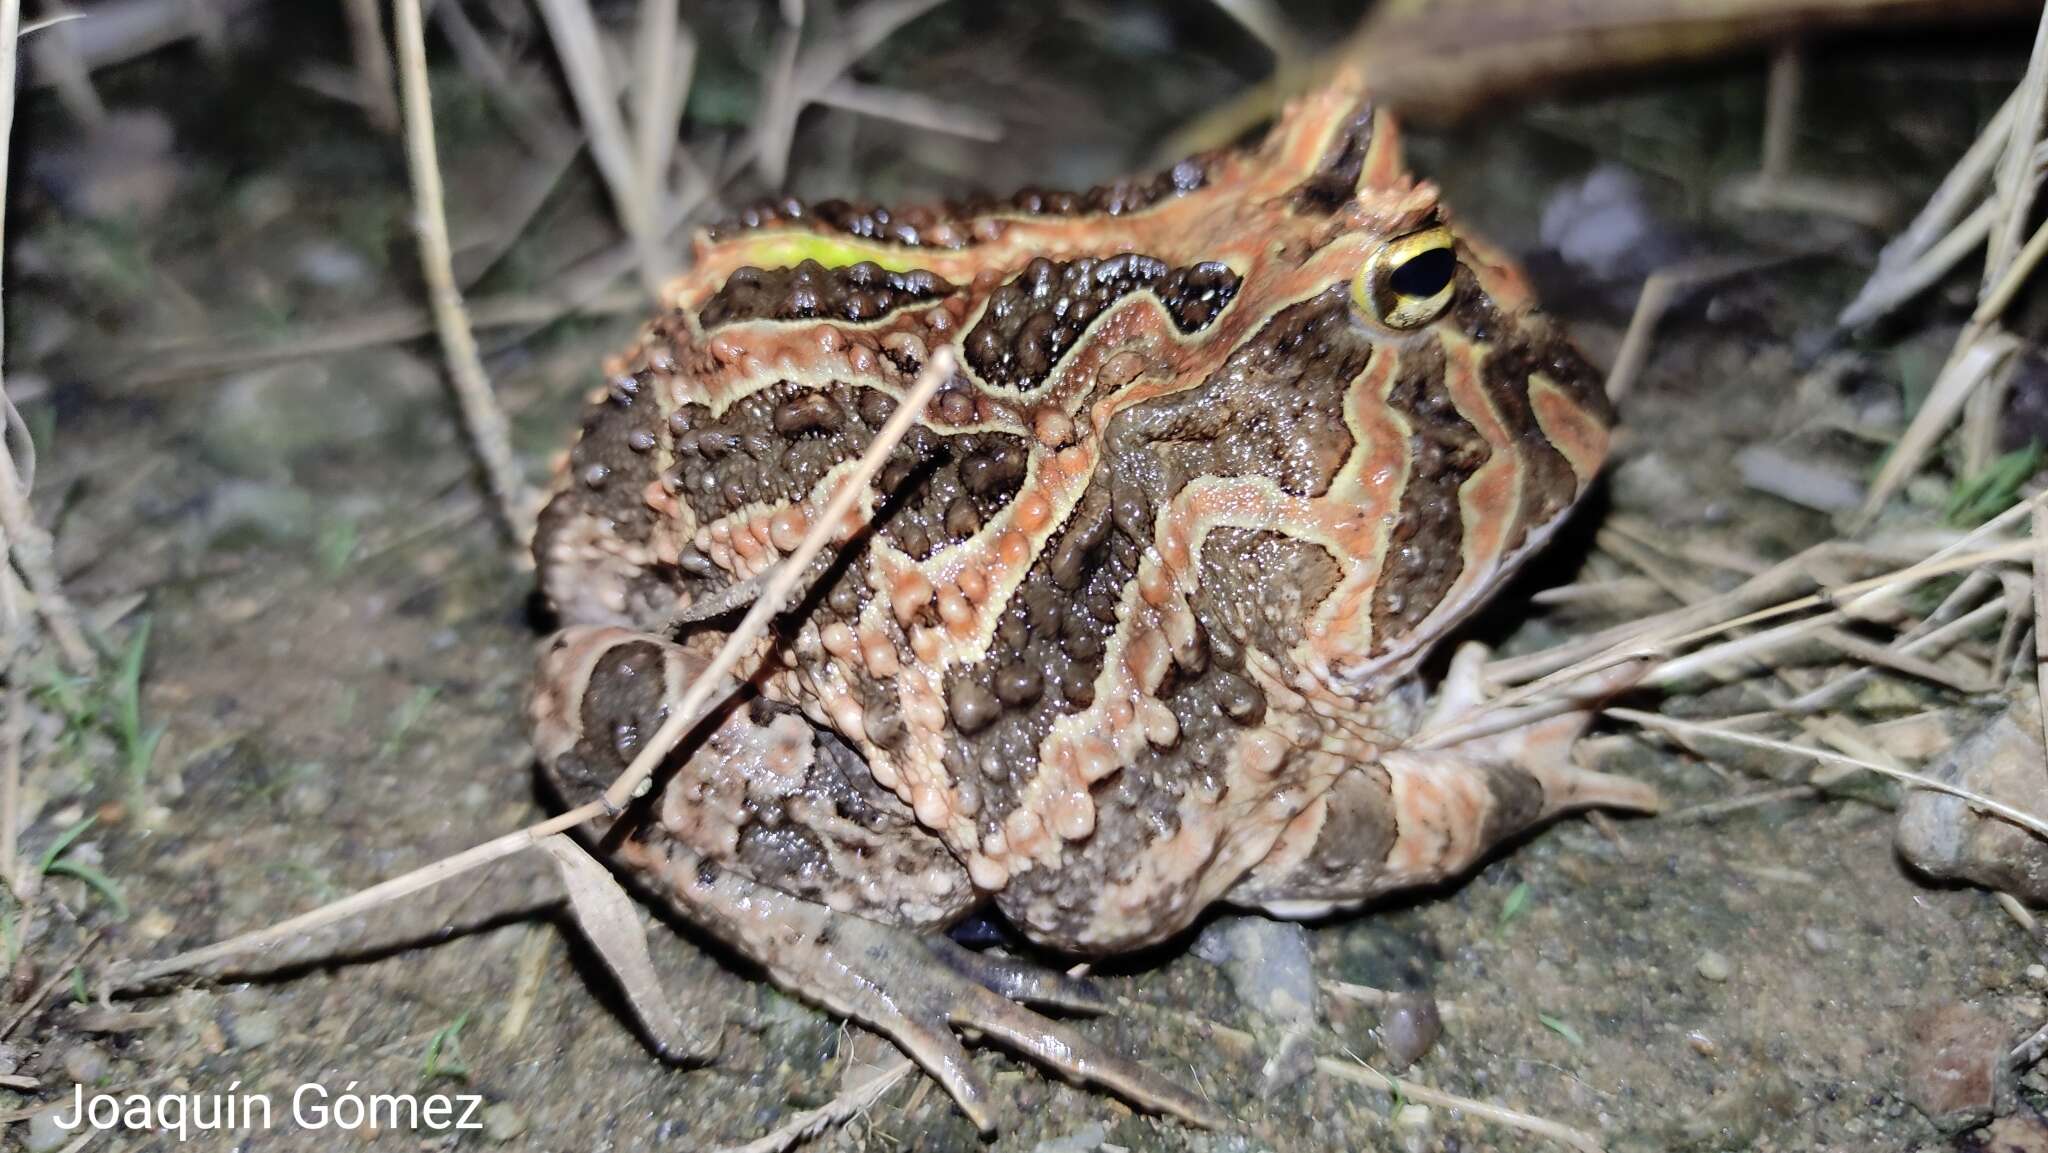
(338, 639)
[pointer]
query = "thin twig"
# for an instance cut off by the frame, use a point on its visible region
(28, 545)
(2015, 179)
(1978, 354)
(2020, 817)
(667, 57)
(224, 353)
(574, 32)
(62, 973)
(130, 975)
(1714, 810)
(683, 716)
(2041, 609)
(1366, 1075)
(914, 109)
(488, 431)
(838, 1110)
(15, 734)
(373, 63)
(541, 134)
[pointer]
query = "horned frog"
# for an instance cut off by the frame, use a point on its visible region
(1129, 623)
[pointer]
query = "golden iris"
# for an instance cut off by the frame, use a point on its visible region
(1409, 281)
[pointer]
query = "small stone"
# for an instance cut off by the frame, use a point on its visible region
(1409, 1028)
(2021, 1132)
(327, 263)
(253, 1029)
(1816, 939)
(309, 796)
(502, 1122)
(44, 1134)
(1087, 1138)
(85, 1064)
(1415, 1126)
(2038, 973)
(1942, 836)
(1714, 966)
(1411, 1117)
(1267, 963)
(1956, 1065)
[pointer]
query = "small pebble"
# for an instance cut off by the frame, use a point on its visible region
(1086, 1139)
(502, 1122)
(254, 1029)
(1714, 967)
(309, 797)
(44, 1133)
(85, 1064)
(1816, 939)
(1409, 1028)
(1415, 1127)
(2037, 973)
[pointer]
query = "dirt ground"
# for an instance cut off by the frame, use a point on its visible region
(338, 643)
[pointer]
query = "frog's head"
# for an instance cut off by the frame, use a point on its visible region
(1441, 426)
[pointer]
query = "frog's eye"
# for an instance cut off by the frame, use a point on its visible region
(1409, 281)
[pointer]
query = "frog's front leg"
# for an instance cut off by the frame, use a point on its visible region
(1419, 816)
(772, 836)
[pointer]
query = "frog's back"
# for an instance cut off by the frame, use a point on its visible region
(1198, 487)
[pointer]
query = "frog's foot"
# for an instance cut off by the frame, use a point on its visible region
(1540, 748)
(915, 988)
(1423, 814)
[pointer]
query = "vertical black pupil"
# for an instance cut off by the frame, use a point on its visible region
(1425, 274)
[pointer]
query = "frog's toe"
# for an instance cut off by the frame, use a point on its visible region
(1020, 980)
(918, 981)
(913, 987)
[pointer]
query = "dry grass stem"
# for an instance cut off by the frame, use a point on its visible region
(60, 975)
(489, 434)
(1556, 682)
(682, 717)
(28, 545)
(1979, 801)
(1267, 21)
(61, 63)
(1660, 290)
(1714, 810)
(2016, 178)
(837, 1111)
(542, 135)
(799, 74)
(911, 108)
(1978, 354)
(134, 974)
(214, 355)
(1948, 205)
(2041, 608)
(1782, 98)
(2020, 914)
(2000, 294)
(1932, 642)
(1363, 1074)
(581, 51)
(610, 923)
(1976, 680)
(665, 60)
(373, 62)
(11, 740)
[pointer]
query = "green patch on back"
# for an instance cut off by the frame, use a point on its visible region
(789, 249)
